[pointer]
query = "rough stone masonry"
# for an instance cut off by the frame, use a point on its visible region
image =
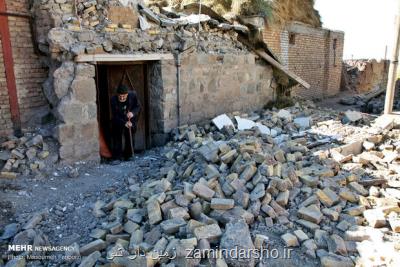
(217, 72)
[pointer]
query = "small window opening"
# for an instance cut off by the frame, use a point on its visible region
(334, 51)
(292, 38)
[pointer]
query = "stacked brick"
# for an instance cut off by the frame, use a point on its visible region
(272, 37)
(307, 59)
(29, 72)
(313, 54)
(335, 57)
(5, 115)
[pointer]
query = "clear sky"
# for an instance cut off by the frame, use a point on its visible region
(368, 25)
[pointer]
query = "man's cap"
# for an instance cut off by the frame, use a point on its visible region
(122, 89)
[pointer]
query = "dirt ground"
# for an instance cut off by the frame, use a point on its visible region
(333, 102)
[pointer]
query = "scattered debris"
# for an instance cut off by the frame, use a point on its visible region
(25, 155)
(352, 116)
(365, 75)
(221, 187)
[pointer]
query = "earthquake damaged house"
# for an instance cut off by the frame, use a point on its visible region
(235, 185)
(184, 67)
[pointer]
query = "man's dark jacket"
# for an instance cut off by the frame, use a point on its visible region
(119, 117)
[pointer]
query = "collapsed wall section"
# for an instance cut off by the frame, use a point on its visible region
(363, 75)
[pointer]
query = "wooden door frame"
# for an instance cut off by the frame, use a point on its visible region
(145, 105)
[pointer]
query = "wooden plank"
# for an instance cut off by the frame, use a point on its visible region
(123, 58)
(373, 182)
(279, 66)
(368, 96)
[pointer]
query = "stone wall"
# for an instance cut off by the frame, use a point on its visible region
(214, 84)
(30, 73)
(310, 53)
(77, 131)
(218, 73)
(157, 78)
(210, 85)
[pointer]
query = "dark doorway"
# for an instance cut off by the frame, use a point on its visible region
(109, 76)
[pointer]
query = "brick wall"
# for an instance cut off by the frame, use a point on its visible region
(272, 37)
(29, 72)
(335, 58)
(310, 53)
(5, 115)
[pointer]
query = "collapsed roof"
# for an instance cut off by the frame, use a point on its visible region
(195, 13)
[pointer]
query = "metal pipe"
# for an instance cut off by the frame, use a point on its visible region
(393, 68)
(178, 86)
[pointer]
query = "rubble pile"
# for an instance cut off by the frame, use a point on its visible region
(369, 79)
(365, 75)
(376, 105)
(91, 13)
(87, 42)
(103, 28)
(281, 171)
(372, 102)
(25, 155)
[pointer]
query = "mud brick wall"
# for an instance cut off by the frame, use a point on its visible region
(310, 53)
(29, 71)
(212, 84)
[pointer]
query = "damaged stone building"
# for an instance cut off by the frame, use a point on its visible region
(67, 58)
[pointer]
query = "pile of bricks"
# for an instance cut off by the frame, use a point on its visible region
(221, 182)
(229, 179)
(23, 155)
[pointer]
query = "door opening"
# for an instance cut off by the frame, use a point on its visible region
(134, 76)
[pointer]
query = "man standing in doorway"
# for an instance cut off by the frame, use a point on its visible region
(125, 108)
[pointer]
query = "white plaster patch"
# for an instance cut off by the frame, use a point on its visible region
(222, 120)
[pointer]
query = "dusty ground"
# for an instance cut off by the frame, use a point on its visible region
(333, 102)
